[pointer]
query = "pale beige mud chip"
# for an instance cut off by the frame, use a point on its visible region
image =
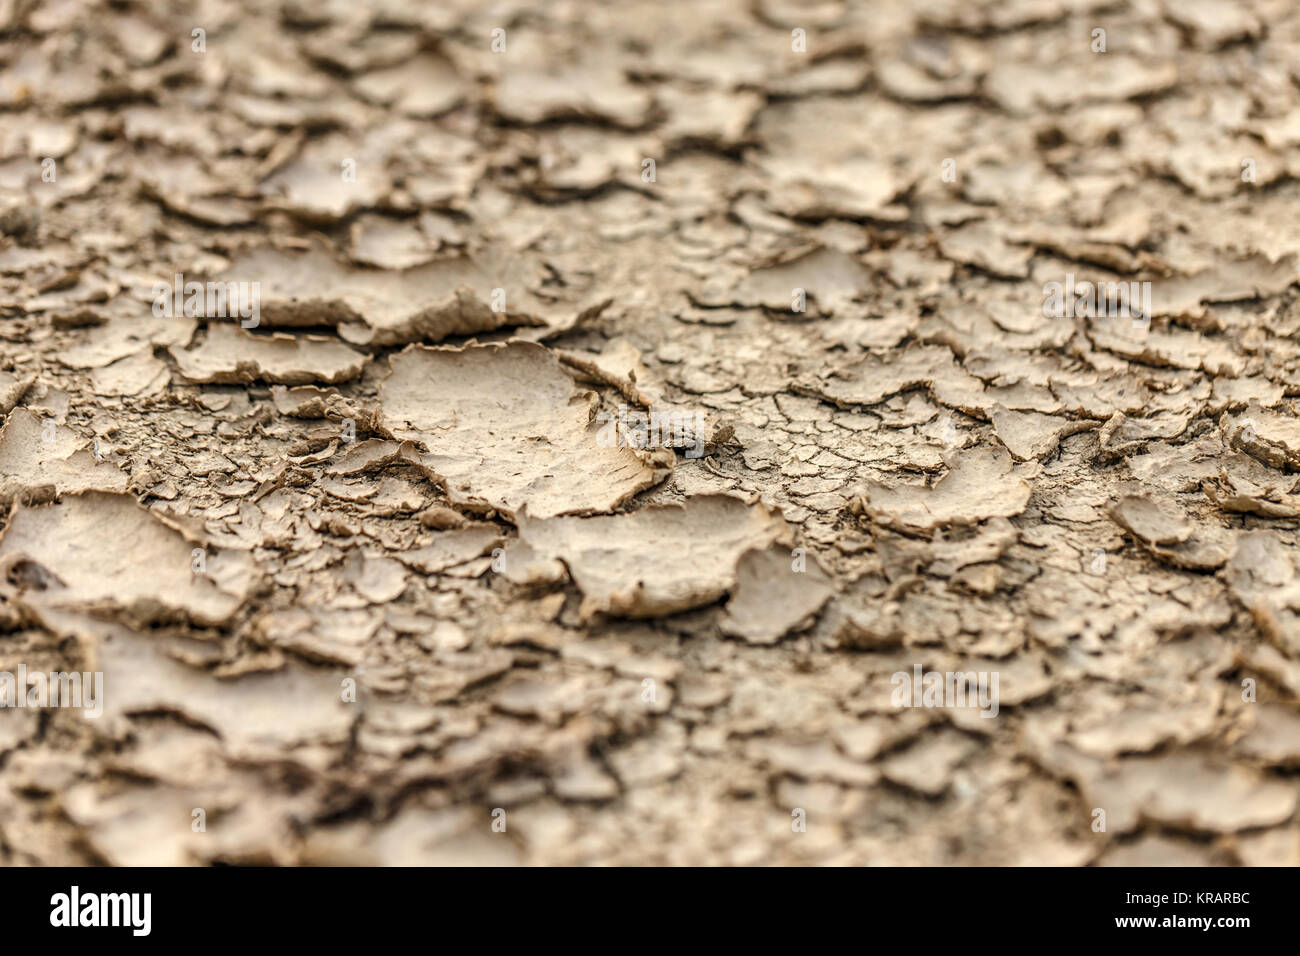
(981, 483)
(777, 591)
(503, 427)
(659, 560)
(1262, 576)
(233, 356)
(1170, 535)
(34, 468)
(104, 552)
(453, 295)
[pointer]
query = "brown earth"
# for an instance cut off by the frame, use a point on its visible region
(378, 570)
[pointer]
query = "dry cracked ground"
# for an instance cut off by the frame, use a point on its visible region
(329, 333)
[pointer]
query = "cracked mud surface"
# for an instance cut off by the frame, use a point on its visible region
(366, 572)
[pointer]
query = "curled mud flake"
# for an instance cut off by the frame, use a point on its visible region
(504, 427)
(980, 484)
(1077, 247)
(1151, 521)
(1246, 486)
(423, 86)
(1210, 169)
(911, 83)
(1030, 435)
(325, 636)
(1156, 850)
(442, 518)
(12, 389)
(716, 117)
(586, 92)
(1273, 738)
(583, 161)
(870, 333)
(815, 761)
(584, 780)
(871, 379)
(927, 766)
(305, 401)
(550, 702)
(40, 462)
(247, 711)
(856, 187)
(1267, 436)
(984, 246)
(986, 544)
(1283, 132)
(1262, 577)
(1170, 536)
(452, 548)
(353, 48)
(1144, 729)
(1189, 791)
(1232, 393)
(808, 282)
(645, 763)
(122, 336)
(659, 560)
(1251, 278)
(1022, 89)
(619, 366)
(777, 591)
(1266, 660)
(183, 185)
(1214, 23)
(1171, 348)
(1102, 397)
(426, 303)
(371, 455)
(232, 356)
(1207, 550)
(389, 244)
(136, 375)
(330, 179)
(377, 579)
(126, 828)
(524, 566)
(1123, 437)
(1003, 184)
(168, 576)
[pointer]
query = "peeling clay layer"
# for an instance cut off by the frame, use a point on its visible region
(875, 417)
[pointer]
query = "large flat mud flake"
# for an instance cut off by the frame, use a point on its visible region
(505, 428)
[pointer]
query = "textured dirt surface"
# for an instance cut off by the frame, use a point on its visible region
(391, 569)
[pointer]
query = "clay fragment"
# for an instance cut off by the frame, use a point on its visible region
(659, 560)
